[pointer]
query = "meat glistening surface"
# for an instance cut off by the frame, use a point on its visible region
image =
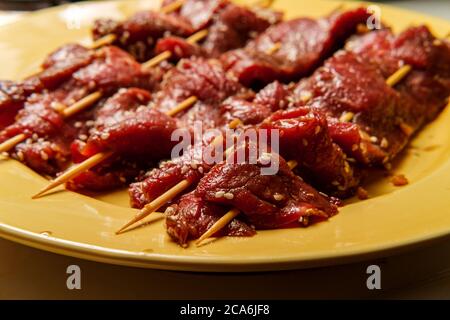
(57, 68)
(381, 119)
(47, 149)
(267, 201)
(230, 26)
(303, 45)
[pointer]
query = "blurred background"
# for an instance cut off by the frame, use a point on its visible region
(435, 7)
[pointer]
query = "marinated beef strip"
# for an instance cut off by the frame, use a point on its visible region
(137, 134)
(426, 88)
(138, 34)
(192, 216)
(57, 68)
(304, 44)
(230, 27)
(198, 13)
(304, 137)
(47, 149)
(206, 80)
(371, 121)
(282, 200)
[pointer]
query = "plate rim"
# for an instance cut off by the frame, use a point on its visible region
(211, 263)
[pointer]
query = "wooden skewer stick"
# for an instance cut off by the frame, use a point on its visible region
(66, 112)
(103, 41)
(74, 171)
(397, 76)
(102, 156)
(110, 38)
(10, 143)
(228, 217)
(181, 186)
(84, 103)
(167, 54)
(172, 192)
(90, 99)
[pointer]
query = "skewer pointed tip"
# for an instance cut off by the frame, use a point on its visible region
(40, 193)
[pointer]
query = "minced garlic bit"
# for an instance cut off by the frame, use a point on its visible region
(399, 180)
(44, 155)
(228, 195)
(384, 143)
(346, 117)
(362, 193)
(219, 194)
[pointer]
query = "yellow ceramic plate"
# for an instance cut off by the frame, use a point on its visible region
(76, 225)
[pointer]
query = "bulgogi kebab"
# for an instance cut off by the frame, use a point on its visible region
(249, 22)
(304, 44)
(343, 78)
(350, 17)
(199, 77)
(58, 66)
(56, 69)
(48, 135)
(12, 95)
(348, 22)
(229, 26)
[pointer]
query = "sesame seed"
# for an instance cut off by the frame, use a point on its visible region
(228, 195)
(35, 136)
(122, 179)
(219, 194)
(200, 169)
(355, 147)
(278, 196)
(90, 123)
(194, 165)
(346, 167)
(78, 124)
(104, 135)
(83, 137)
(373, 139)
(305, 96)
(317, 130)
(170, 211)
(335, 183)
(184, 169)
(384, 143)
